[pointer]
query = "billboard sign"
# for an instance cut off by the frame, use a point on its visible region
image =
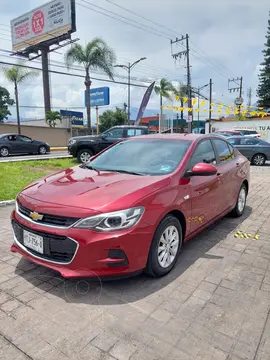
(46, 22)
(99, 96)
(76, 117)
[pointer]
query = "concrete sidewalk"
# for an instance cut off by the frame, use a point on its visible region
(213, 306)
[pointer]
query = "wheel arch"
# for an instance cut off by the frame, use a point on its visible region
(181, 217)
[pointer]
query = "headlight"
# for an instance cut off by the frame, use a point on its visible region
(72, 141)
(118, 220)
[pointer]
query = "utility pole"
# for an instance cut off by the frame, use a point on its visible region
(179, 55)
(210, 108)
(239, 82)
(249, 96)
(129, 67)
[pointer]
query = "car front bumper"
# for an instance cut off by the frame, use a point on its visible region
(85, 253)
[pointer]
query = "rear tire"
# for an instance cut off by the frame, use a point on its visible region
(84, 156)
(258, 160)
(240, 203)
(4, 152)
(165, 247)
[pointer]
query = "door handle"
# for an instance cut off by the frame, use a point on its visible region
(219, 174)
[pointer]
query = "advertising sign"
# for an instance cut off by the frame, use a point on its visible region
(144, 103)
(75, 116)
(44, 23)
(99, 96)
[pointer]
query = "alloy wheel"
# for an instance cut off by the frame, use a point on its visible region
(4, 152)
(85, 157)
(258, 160)
(168, 246)
(42, 150)
(242, 200)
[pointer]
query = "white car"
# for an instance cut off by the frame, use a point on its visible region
(250, 133)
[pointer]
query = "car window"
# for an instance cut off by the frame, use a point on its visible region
(24, 138)
(12, 137)
(204, 152)
(234, 141)
(134, 132)
(249, 141)
(153, 156)
(114, 133)
(232, 152)
(223, 150)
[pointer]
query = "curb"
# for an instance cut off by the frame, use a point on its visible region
(7, 203)
(59, 148)
(9, 160)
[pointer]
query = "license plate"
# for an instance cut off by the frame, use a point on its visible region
(33, 241)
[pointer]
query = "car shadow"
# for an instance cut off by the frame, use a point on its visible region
(100, 292)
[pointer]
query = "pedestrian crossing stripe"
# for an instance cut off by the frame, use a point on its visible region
(243, 235)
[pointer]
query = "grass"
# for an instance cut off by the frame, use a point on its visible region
(14, 176)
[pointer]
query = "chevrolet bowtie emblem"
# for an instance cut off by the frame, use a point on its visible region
(35, 216)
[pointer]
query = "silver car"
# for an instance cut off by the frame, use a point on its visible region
(256, 150)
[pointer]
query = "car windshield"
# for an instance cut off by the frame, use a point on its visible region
(142, 157)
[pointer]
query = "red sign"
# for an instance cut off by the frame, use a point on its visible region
(38, 22)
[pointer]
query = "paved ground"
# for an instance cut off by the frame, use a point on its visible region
(214, 305)
(52, 155)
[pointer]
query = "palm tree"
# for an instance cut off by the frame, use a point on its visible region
(96, 55)
(17, 74)
(181, 90)
(52, 117)
(164, 90)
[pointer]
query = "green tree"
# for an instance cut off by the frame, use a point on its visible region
(112, 118)
(52, 117)
(96, 55)
(164, 90)
(5, 101)
(263, 90)
(181, 90)
(17, 74)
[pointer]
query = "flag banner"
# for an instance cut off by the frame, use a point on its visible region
(144, 103)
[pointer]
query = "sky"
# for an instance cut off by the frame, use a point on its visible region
(226, 41)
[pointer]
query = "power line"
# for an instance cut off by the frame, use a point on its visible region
(70, 74)
(161, 26)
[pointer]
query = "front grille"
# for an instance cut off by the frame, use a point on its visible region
(55, 247)
(53, 220)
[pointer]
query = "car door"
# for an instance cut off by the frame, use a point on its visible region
(14, 145)
(228, 166)
(26, 145)
(204, 189)
(110, 137)
(247, 146)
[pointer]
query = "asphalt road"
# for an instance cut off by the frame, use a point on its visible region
(52, 155)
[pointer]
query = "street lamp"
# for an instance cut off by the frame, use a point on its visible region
(128, 68)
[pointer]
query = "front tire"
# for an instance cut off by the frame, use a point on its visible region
(4, 152)
(240, 203)
(258, 160)
(42, 150)
(84, 156)
(165, 247)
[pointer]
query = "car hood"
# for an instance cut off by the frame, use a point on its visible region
(89, 189)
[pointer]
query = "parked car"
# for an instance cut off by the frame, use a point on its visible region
(21, 144)
(131, 208)
(256, 150)
(227, 133)
(84, 147)
(250, 133)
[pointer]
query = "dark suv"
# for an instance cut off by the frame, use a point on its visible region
(83, 147)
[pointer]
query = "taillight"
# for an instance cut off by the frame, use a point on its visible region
(259, 136)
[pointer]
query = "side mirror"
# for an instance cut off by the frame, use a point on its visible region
(202, 169)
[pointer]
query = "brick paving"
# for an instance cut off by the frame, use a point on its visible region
(214, 305)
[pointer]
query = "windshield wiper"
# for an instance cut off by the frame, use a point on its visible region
(85, 166)
(124, 171)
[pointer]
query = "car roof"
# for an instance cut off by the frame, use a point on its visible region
(228, 131)
(241, 137)
(190, 137)
(129, 126)
(12, 134)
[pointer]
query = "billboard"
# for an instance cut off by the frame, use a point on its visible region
(46, 22)
(99, 96)
(75, 116)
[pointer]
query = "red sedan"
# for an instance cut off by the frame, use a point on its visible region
(131, 208)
